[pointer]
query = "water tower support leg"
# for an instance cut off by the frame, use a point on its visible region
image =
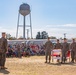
(31, 26)
(24, 29)
(17, 25)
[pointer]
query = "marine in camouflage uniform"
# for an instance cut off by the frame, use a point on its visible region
(19, 51)
(3, 41)
(73, 51)
(58, 46)
(48, 48)
(64, 50)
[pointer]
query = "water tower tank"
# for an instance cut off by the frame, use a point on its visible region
(24, 9)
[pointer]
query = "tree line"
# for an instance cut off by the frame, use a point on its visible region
(39, 35)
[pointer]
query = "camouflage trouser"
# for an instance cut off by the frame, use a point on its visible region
(64, 53)
(19, 54)
(2, 59)
(73, 55)
(48, 53)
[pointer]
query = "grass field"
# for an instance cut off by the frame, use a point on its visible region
(35, 66)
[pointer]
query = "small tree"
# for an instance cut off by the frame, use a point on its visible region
(42, 35)
(8, 36)
(38, 36)
(12, 38)
(52, 37)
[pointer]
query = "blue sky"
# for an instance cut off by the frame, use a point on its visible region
(54, 16)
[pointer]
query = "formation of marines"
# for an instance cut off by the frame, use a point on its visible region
(65, 47)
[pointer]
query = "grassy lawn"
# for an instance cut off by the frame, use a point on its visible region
(35, 66)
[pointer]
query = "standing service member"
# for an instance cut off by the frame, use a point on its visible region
(73, 51)
(58, 46)
(3, 50)
(64, 50)
(48, 49)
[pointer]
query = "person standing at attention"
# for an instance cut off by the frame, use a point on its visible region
(58, 46)
(73, 51)
(3, 50)
(48, 48)
(65, 49)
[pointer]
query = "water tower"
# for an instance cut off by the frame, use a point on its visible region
(24, 10)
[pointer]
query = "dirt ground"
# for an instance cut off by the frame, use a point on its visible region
(35, 65)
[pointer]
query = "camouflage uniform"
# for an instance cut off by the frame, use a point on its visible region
(58, 46)
(19, 52)
(64, 51)
(4, 50)
(48, 48)
(73, 51)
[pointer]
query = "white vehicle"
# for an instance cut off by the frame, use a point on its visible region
(35, 41)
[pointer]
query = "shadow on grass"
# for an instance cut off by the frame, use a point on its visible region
(71, 64)
(59, 64)
(4, 71)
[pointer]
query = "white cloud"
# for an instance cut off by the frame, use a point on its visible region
(9, 31)
(53, 30)
(69, 25)
(59, 30)
(65, 25)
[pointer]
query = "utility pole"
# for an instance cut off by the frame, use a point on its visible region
(27, 33)
(64, 35)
